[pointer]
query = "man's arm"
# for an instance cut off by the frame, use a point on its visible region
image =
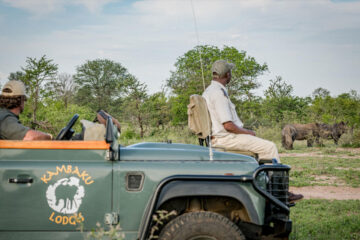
(37, 135)
(231, 127)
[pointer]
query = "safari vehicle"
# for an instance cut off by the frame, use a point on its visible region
(50, 188)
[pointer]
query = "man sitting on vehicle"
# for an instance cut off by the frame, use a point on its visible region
(227, 128)
(12, 100)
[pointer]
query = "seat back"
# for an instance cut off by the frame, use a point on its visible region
(198, 117)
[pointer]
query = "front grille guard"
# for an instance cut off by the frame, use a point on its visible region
(277, 184)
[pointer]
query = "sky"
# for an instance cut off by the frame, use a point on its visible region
(309, 43)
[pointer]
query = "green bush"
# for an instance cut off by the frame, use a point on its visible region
(270, 133)
(129, 133)
(350, 139)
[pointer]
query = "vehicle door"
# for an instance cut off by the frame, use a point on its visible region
(54, 185)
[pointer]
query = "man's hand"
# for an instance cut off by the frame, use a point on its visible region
(36, 135)
(231, 127)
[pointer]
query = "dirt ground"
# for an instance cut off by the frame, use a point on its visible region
(326, 192)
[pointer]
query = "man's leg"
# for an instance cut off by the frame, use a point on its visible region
(244, 142)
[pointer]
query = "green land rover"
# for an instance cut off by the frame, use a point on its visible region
(50, 188)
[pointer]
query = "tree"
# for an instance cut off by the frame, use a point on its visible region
(158, 109)
(100, 82)
(36, 74)
(62, 87)
(320, 92)
(280, 104)
(345, 107)
(18, 75)
(187, 77)
(278, 88)
(250, 112)
(134, 104)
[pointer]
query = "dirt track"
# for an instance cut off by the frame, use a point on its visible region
(328, 192)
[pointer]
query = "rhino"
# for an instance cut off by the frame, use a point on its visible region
(311, 132)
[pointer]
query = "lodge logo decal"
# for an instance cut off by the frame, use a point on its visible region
(65, 195)
(65, 205)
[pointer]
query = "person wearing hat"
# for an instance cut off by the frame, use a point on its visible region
(12, 99)
(227, 129)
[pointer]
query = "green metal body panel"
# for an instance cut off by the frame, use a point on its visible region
(25, 207)
(27, 210)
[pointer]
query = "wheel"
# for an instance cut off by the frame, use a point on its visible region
(201, 226)
(66, 133)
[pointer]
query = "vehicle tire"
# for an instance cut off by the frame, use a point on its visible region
(201, 226)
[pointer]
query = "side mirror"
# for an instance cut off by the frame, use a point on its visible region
(111, 137)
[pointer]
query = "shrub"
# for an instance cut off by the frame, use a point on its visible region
(350, 139)
(128, 133)
(269, 133)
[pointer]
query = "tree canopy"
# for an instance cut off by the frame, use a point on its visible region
(100, 82)
(36, 74)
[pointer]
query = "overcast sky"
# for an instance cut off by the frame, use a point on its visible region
(310, 43)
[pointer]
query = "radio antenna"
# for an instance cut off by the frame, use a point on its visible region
(202, 74)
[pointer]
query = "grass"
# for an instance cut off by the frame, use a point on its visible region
(328, 220)
(310, 171)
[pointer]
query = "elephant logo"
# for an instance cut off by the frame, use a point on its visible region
(65, 196)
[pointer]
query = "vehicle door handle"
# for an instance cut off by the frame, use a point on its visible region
(21, 180)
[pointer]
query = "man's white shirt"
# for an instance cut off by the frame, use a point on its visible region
(220, 107)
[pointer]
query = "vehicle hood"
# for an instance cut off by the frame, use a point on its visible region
(176, 151)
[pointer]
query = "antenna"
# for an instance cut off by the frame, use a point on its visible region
(202, 73)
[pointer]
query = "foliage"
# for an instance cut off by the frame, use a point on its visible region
(100, 233)
(18, 75)
(350, 139)
(128, 134)
(160, 218)
(53, 115)
(100, 83)
(158, 109)
(178, 106)
(320, 93)
(345, 107)
(269, 133)
(36, 73)
(280, 103)
(62, 88)
(134, 107)
(250, 112)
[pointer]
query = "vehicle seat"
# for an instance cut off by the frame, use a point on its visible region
(93, 131)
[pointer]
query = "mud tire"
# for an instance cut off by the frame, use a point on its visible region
(201, 225)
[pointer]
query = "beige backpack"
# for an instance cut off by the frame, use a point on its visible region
(198, 116)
